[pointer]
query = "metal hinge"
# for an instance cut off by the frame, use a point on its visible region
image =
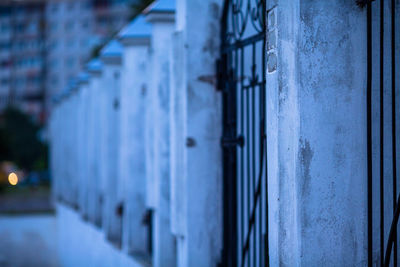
(229, 142)
(220, 75)
(363, 3)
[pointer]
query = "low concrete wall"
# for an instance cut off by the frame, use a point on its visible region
(82, 244)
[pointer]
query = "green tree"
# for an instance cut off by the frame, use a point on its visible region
(19, 141)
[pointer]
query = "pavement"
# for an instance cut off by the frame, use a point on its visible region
(28, 240)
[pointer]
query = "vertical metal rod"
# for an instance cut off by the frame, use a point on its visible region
(391, 233)
(241, 154)
(253, 108)
(393, 39)
(382, 206)
(369, 128)
(248, 165)
(260, 206)
(260, 151)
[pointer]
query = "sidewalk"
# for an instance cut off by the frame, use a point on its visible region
(28, 240)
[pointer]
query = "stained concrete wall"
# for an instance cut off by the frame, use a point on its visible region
(196, 130)
(83, 142)
(81, 145)
(163, 241)
(134, 91)
(113, 198)
(316, 133)
(93, 137)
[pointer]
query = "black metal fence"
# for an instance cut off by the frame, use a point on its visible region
(243, 84)
(382, 113)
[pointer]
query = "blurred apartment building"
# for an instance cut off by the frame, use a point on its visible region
(45, 43)
(22, 53)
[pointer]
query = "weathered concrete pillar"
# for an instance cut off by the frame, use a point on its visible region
(83, 80)
(55, 128)
(114, 203)
(64, 148)
(73, 129)
(195, 134)
(135, 80)
(316, 133)
(161, 16)
(94, 200)
(83, 123)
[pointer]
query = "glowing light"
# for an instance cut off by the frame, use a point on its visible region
(13, 179)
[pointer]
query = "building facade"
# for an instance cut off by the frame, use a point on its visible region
(22, 54)
(76, 30)
(44, 45)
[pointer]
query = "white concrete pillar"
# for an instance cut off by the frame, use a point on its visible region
(93, 186)
(64, 150)
(161, 16)
(81, 143)
(196, 133)
(73, 133)
(316, 133)
(114, 203)
(83, 140)
(135, 80)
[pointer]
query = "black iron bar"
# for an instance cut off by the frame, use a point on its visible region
(253, 108)
(248, 162)
(241, 151)
(369, 130)
(256, 198)
(392, 233)
(394, 170)
(382, 206)
(260, 206)
(244, 42)
(245, 136)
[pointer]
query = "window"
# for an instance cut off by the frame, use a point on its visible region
(32, 27)
(53, 45)
(85, 5)
(54, 80)
(70, 5)
(5, 28)
(20, 82)
(5, 82)
(53, 63)
(54, 26)
(85, 24)
(54, 7)
(70, 62)
(19, 28)
(5, 45)
(85, 42)
(69, 26)
(70, 43)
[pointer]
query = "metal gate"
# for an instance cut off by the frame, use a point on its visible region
(241, 70)
(382, 139)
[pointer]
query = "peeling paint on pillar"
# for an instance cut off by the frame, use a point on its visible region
(135, 80)
(162, 18)
(197, 46)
